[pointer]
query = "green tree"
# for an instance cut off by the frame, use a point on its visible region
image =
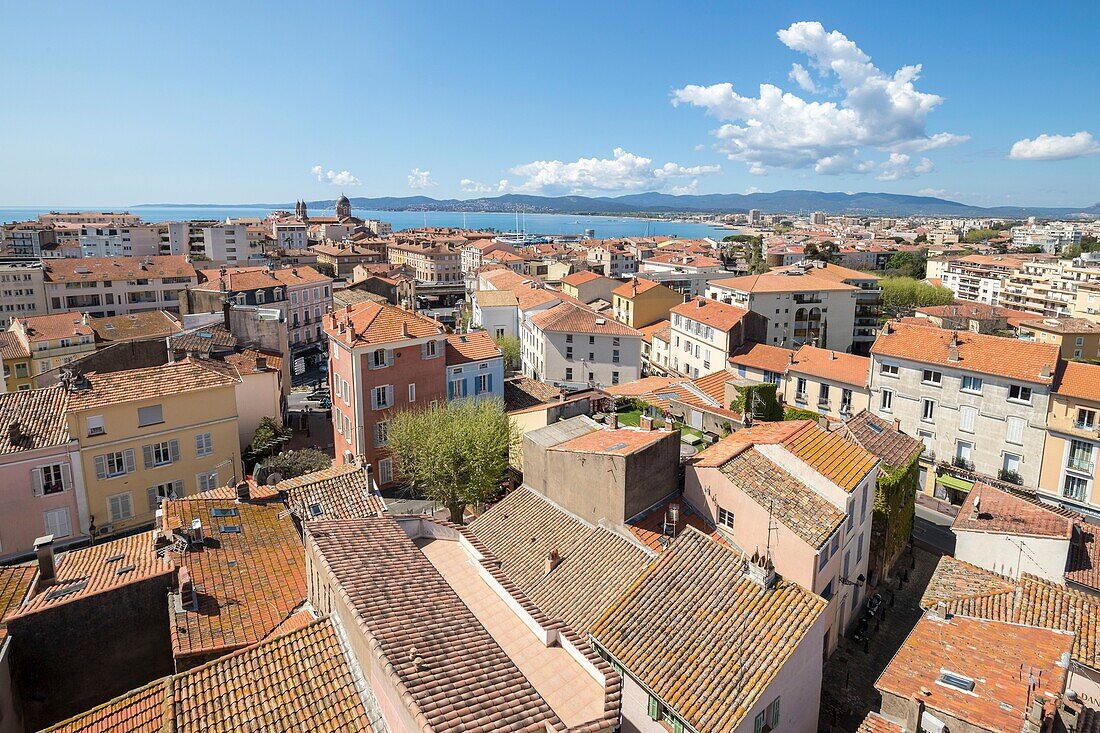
(909, 264)
(292, 463)
(269, 435)
(902, 294)
(980, 235)
(509, 347)
(826, 251)
(454, 453)
(325, 268)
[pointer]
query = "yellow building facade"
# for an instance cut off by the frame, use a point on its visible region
(639, 302)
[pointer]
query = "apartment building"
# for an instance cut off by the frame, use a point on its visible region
(116, 286)
(801, 497)
(120, 240)
(587, 286)
(978, 402)
(802, 307)
(152, 433)
(1051, 238)
(41, 484)
(435, 261)
(829, 382)
(640, 302)
(381, 358)
(572, 346)
(53, 341)
(497, 311)
(705, 332)
(1076, 338)
(1072, 446)
(474, 252)
(343, 257)
(290, 234)
(28, 240)
(611, 258)
(979, 278)
(761, 363)
(16, 357)
(22, 290)
(683, 272)
(475, 367)
(868, 300)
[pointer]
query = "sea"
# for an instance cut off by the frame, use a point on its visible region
(535, 224)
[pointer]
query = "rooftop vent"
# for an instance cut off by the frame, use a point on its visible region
(67, 590)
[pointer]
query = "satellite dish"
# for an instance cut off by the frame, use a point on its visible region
(274, 478)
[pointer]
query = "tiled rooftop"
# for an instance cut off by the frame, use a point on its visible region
(204, 340)
(466, 347)
(131, 385)
(12, 347)
(596, 563)
(98, 269)
(842, 462)
(248, 576)
(300, 681)
(572, 318)
(762, 356)
(1083, 566)
(143, 325)
(664, 638)
(634, 287)
(875, 723)
(461, 677)
(495, 298)
(521, 393)
(1011, 358)
(880, 438)
(56, 326)
(1080, 380)
(721, 316)
(833, 365)
(655, 528)
(41, 417)
(1001, 512)
(337, 492)
(15, 582)
(988, 652)
(621, 442)
(378, 323)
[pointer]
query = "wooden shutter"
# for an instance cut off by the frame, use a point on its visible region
(1015, 433)
(66, 476)
(966, 418)
(147, 454)
(177, 489)
(174, 450)
(101, 467)
(128, 460)
(154, 500)
(36, 481)
(654, 708)
(389, 395)
(775, 713)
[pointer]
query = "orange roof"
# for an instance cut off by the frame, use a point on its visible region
(992, 654)
(580, 278)
(836, 273)
(719, 315)
(764, 433)
(98, 269)
(15, 582)
(827, 364)
(474, 346)
(253, 278)
(635, 286)
(245, 360)
(999, 512)
(762, 356)
(370, 323)
(570, 318)
(655, 529)
(841, 461)
(1079, 379)
(621, 442)
(781, 283)
(12, 347)
(648, 332)
(131, 385)
(56, 326)
(656, 390)
(681, 258)
(980, 353)
(529, 296)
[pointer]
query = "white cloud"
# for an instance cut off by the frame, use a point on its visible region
(419, 179)
(900, 165)
(751, 190)
(937, 192)
(802, 78)
(1055, 147)
(624, 171)
(878, 111)
(686, 190)
(343, 178)
(471, 186)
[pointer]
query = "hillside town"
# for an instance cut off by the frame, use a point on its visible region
(309, 472)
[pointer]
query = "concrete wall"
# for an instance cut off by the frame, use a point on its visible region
(861, 398)
(999, 553)
(497, 319)
(22, 514)
(10, 719)
(1086, 683)
(601, 366)
(79, 654)
(259, 395)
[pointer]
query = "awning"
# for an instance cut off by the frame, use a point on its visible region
(954, 482)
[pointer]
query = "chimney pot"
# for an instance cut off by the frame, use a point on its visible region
(553, 559)
(244, 491)
(43, 548)
(15, 431)
(613, 421)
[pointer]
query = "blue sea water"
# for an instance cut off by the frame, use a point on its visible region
(604, 226)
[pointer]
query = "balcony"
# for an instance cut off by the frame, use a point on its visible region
(1084, 464)
(1010, 477)
(146, 296)
(964, 463)
(82, 301)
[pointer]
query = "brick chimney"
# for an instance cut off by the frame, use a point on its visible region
(645, 422)
(43, 548)
(261, 363)
(915, 710)
(15, 432)
(613, 421)
(244, 491)
(553, 559)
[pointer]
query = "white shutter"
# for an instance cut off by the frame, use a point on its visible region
(147, 455)
(101, 467)
(36, 481)
(1015, 430)
(66, 476)
(174, 450)
(177, 489)
(154, 498)
(389, 395)
(128, 460)
(966, 418)
(389, 357)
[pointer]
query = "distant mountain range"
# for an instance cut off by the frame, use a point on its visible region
(777, 202)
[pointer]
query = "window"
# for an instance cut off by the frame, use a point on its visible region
(615, 356)
(1086, 419)
(52, 479)
(800, 389)
(963, 450)
(823, 394)
(207, 480)
(614, 377)
(430, 350)
(204, 445)
(1080, 456)
(725, 518)
(967, 415)
(1076, 488)
(150, 415)
(591, 339)
(112, 465)
(381, 397)
(379, 359)
(823, 558)
(160, 492)
(827, 591)
(834, 546)
(1017, 393)
(568, 352)
(927, 410)
(484, 383)
(957, 681)
(768, 718)
(846, 400)
(161, 454)
(972, 385)
(1011, 463)
(119, 506)
(930, 376)
(412, 392)
(568, 338)
(381, 432)
(568, 374)
(859, 547)
(887, 401)
(889, 370)
(456, 389)
(57, 522)
(95, 425)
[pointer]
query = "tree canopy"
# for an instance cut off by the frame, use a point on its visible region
(509, 347)
(826, 251)
(908, 264)
(905, 293)
(454, 453)
(292, 463)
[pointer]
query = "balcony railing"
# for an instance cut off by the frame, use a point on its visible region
(1083, 464)
(964, 463)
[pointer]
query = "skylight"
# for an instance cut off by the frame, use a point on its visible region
(957, 681)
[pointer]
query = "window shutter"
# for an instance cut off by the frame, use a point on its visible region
(654, 708)
(1015, 430)
(101, 467)
(177, 489)
(759, 723)
(775, 713)
(389, 395)
(677, 726)
(488, 382)
(127, 508)
(389, 357)
(36, 481)
(154, 503)
(128, 460)
(147, 454)
(174, 450)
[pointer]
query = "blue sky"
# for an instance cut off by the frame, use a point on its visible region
(119, 103)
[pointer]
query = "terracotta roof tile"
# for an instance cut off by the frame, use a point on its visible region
(245, 361)
(781, 283)
(474, 346)
(98, 269)
(379, 323)
(521, 393)
(663, 638)
(41, 417)
(12, 347)
(842, 462)
(299, 619)
(880, 438)
(204, 340)
(721, 316)
(648, 332)
(762, 356)
(655, 528)
(571, 318)
(828, 364)
(989, 652)
(1079, 379)
(580, 278)
(979, 353)
(98, 569)
(337, 492)
(15, 583)
(875, 723)
(143, 325)
(56, 326)
(764, 433)
(1062, 325)
(299, 681)
(131, 385)
(495, 298)
(634, 287)
(247, 580)
(237, 279)
(621, 442)
(1001, 512)
(1083, 566)
(596, 564)
(954, 579)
